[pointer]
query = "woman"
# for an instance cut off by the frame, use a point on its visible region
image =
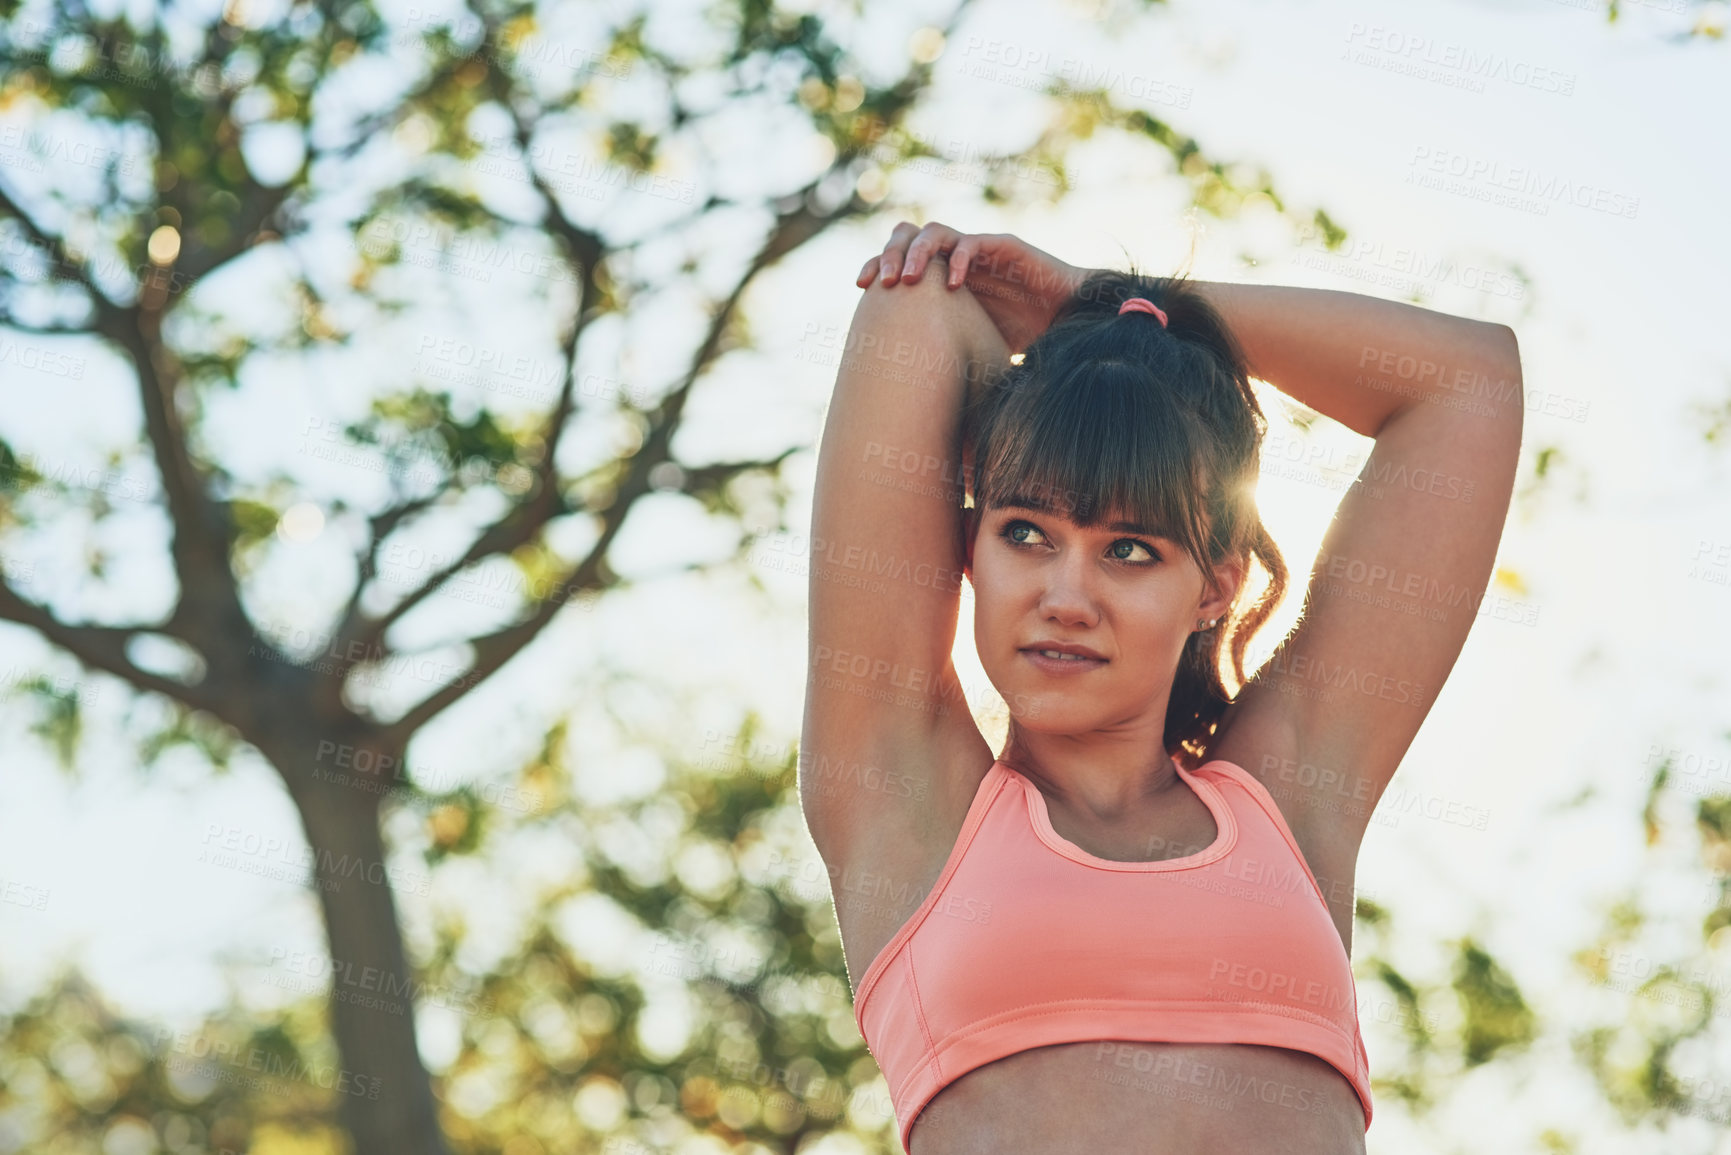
(1132, 929)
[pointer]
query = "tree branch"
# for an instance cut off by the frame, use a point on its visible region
(107, 312)
(492, 651)
(793, 228)
(104, 648)
(208, 612)
(200, 538)
(524, 521)
(379, 527)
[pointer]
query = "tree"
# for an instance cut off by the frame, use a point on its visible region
(337, 172)
(170, 178)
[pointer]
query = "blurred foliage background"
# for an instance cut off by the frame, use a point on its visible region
(271, 189)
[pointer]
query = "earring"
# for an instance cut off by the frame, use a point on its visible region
(1206, 625)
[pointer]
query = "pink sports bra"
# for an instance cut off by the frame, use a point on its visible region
(1027, 940)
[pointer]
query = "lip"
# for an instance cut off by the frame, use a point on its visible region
(1067, 648)
(1061, 667)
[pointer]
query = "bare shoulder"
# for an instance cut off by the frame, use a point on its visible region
(1254, 736)
(906, 802)
(893, 795)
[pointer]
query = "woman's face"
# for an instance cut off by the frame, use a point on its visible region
(1129, 596)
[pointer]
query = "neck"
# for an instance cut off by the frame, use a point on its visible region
(1104, 776)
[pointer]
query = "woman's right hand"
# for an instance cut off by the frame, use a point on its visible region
(1020, 287)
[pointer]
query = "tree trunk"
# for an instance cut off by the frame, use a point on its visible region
(384, 1095)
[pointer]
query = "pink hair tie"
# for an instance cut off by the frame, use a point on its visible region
(1142, 305)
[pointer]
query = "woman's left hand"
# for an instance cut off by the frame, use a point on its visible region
(1020, 287)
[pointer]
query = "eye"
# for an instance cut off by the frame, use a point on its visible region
(1012, 528)
(1131, 541)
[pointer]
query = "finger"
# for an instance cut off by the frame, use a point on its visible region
(959, 258)
(879, 266)
(895, 251)
(934, 238)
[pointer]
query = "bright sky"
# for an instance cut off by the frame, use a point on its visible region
(1625, 557)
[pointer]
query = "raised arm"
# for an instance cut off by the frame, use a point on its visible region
(1399, 578)
(884, 713)
(1405, 565)
(1360, 360)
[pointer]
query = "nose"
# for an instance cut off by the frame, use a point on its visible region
(1069, 596)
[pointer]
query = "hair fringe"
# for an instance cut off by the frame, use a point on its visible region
(1208, 426)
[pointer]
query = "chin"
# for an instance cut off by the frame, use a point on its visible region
(1049, 711)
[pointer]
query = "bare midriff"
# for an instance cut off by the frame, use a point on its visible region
(1119, 1096)
(1148, 1099)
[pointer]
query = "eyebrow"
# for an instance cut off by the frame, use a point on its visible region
(1031, 504)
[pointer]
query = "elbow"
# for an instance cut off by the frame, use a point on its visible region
(1508, 348)
(1505, 352)
(1505, 358)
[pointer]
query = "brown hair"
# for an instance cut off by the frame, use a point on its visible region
(1117, 415)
